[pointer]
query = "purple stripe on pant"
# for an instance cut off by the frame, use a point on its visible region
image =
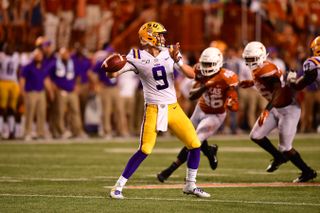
(133, 164)
(194, 158)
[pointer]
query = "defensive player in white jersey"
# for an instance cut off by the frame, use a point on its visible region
(9, 88)
(215, 86)
(154, 64)
(311, 69)
(282, 111)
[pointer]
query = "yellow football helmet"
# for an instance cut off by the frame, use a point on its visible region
(315, 46)
(149, 33)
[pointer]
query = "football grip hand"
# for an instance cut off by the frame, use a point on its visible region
(263, 117)
(174, 51)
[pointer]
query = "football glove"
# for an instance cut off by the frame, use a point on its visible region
(292, 76)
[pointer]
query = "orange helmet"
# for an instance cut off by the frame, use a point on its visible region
(221, 45)
(149, 33)
(315, 46)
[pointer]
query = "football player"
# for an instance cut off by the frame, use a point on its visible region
(215, 86)
(154, 64)
(282, 111)
(311, 68)
(9, 88)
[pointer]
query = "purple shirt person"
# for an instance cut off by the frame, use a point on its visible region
(82, 64)
(34, 80)
(63, 72)
(34, 74)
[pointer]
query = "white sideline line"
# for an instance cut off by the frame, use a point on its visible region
(244, 136)
(166, 199)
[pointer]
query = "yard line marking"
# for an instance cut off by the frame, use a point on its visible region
(273, 136)
(175, 150)
(229, 201)
(166, 199)
(54, 179)
(52, 196)
(225, 185)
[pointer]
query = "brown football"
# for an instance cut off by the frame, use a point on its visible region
(114, 63)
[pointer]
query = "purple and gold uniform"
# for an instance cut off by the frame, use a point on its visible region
(157, 78)
(9, 88)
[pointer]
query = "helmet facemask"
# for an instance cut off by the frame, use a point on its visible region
(254, 62)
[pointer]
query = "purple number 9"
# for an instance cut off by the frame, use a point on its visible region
(159, 74)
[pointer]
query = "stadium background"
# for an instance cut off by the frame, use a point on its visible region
(103, 26)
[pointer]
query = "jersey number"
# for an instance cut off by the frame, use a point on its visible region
(159, 74)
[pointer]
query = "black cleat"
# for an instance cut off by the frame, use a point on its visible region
(212, 156)
(161, 177)
(306, 176)
(274, 165)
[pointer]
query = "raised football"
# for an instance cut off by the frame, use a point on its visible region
(114, 63)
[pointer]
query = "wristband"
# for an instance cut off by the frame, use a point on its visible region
(180, 62)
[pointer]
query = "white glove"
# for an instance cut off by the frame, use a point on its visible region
(292, 77)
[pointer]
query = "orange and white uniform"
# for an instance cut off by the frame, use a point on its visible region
(270, 70)
(210, 111)
(285, 113)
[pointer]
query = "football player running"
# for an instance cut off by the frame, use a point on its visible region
(154, 64)
(282, 111)
(215, 86)
(311, 69)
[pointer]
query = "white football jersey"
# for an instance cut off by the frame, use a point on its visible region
(313, 63)
(156, 75)
(9, 65)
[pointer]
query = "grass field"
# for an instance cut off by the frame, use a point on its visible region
(77, 176)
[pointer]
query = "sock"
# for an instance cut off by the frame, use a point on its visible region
(204, 147)
(168, 171)
(121, 182)
(296, 159)
(194, 158)
(191, 176)
(18, 130)
(268, 146)
(183, 155)
(133, 164)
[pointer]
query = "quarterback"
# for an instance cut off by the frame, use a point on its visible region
(154, 64)
(215, 86)
(282, 111)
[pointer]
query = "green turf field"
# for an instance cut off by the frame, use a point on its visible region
(76, 177)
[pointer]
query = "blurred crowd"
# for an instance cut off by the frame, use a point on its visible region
(53, 50)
